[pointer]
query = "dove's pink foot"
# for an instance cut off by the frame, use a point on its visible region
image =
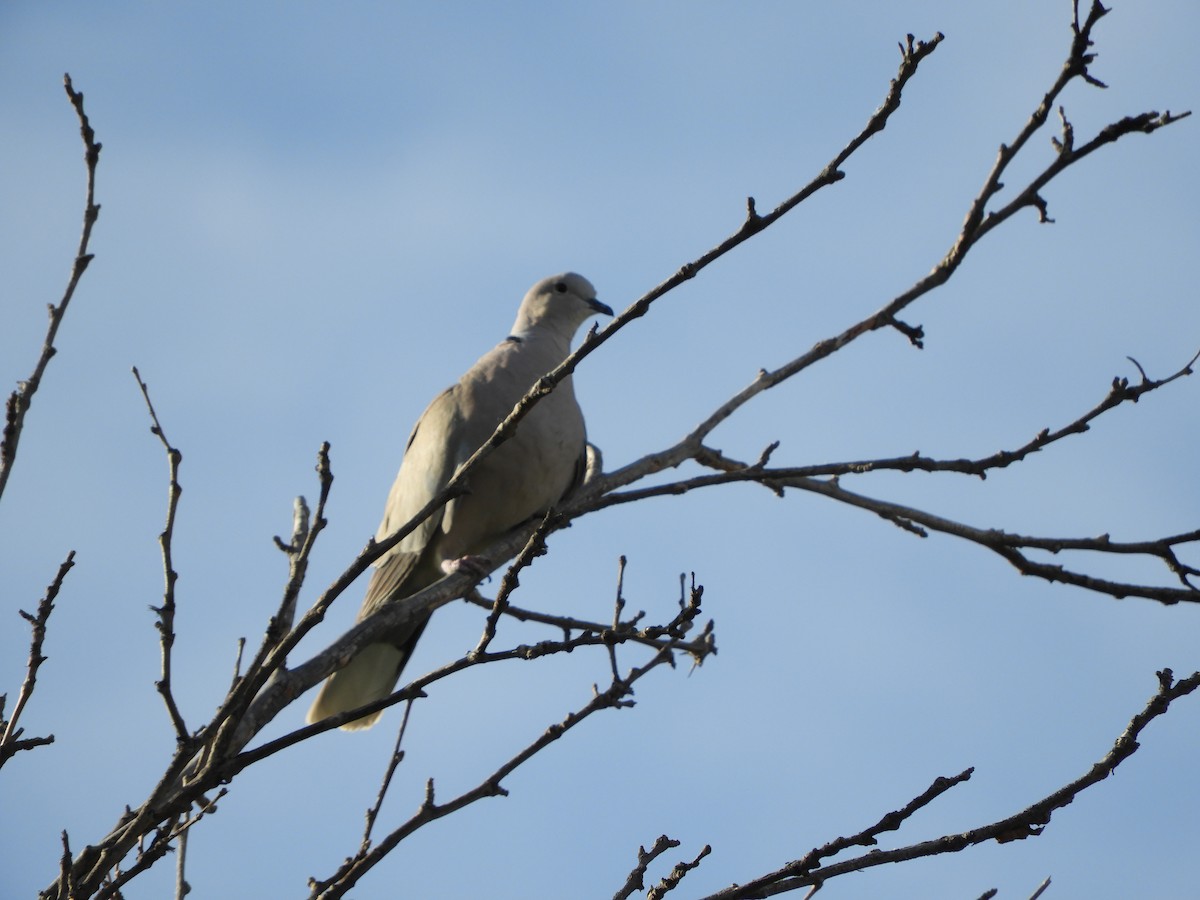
(471, 565)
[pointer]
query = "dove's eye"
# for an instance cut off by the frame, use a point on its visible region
(561, 287)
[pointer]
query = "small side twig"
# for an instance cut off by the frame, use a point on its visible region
(306, 526)
(618, 608)
(393, 763)
(297, 568)
(10, 742)
(166, 613)
(534, 547)
(271, 656)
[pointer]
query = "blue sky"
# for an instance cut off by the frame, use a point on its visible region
(316, 217)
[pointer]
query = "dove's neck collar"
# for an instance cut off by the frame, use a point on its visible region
(538, 336)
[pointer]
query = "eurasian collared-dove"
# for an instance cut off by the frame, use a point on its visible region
(523, 477)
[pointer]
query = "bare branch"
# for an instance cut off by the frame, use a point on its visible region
(626, 631)
(217, 752)
(672, 879)
(1029, 822)
(20, 399)
(1011, 546)
(393, 763)
(66, 875)
(868, 837)
(534, 547)
(270, 661)
(182, 888)
(297, 563)
(618, 608)
(669, 638)
(163, 839)
(10, 739)
(911, 57)
(234, 736)
(974, 227)
(615, 697)
(1120, 392)
(644, 857)
(166, 612)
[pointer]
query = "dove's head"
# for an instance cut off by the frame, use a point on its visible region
(560, 303)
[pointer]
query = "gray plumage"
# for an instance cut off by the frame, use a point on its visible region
(523, 477)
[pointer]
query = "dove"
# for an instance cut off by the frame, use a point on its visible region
(525, 476)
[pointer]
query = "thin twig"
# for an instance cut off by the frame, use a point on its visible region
(182, 888)
(20, 399)
(1011, 546)
(270, 660)
(635, 881)
(628, 630)
(672, 879)
(618, 608)
(393, 763)
(534, 547)
(975, 226)
(10, 742)
(615, 697)
(668, 638)
(868, 837)
(166, 613)
(1029, 822)
(297, 556)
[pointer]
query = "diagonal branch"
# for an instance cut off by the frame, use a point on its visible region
(20, 399)
(188, 777)
(10, 739)
(671, 880)
(911, 56)
(456, 586)
(272, 653)
(616, 696)
(1029, 822)
(534, 547)
(635, 881)
(975, 226)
